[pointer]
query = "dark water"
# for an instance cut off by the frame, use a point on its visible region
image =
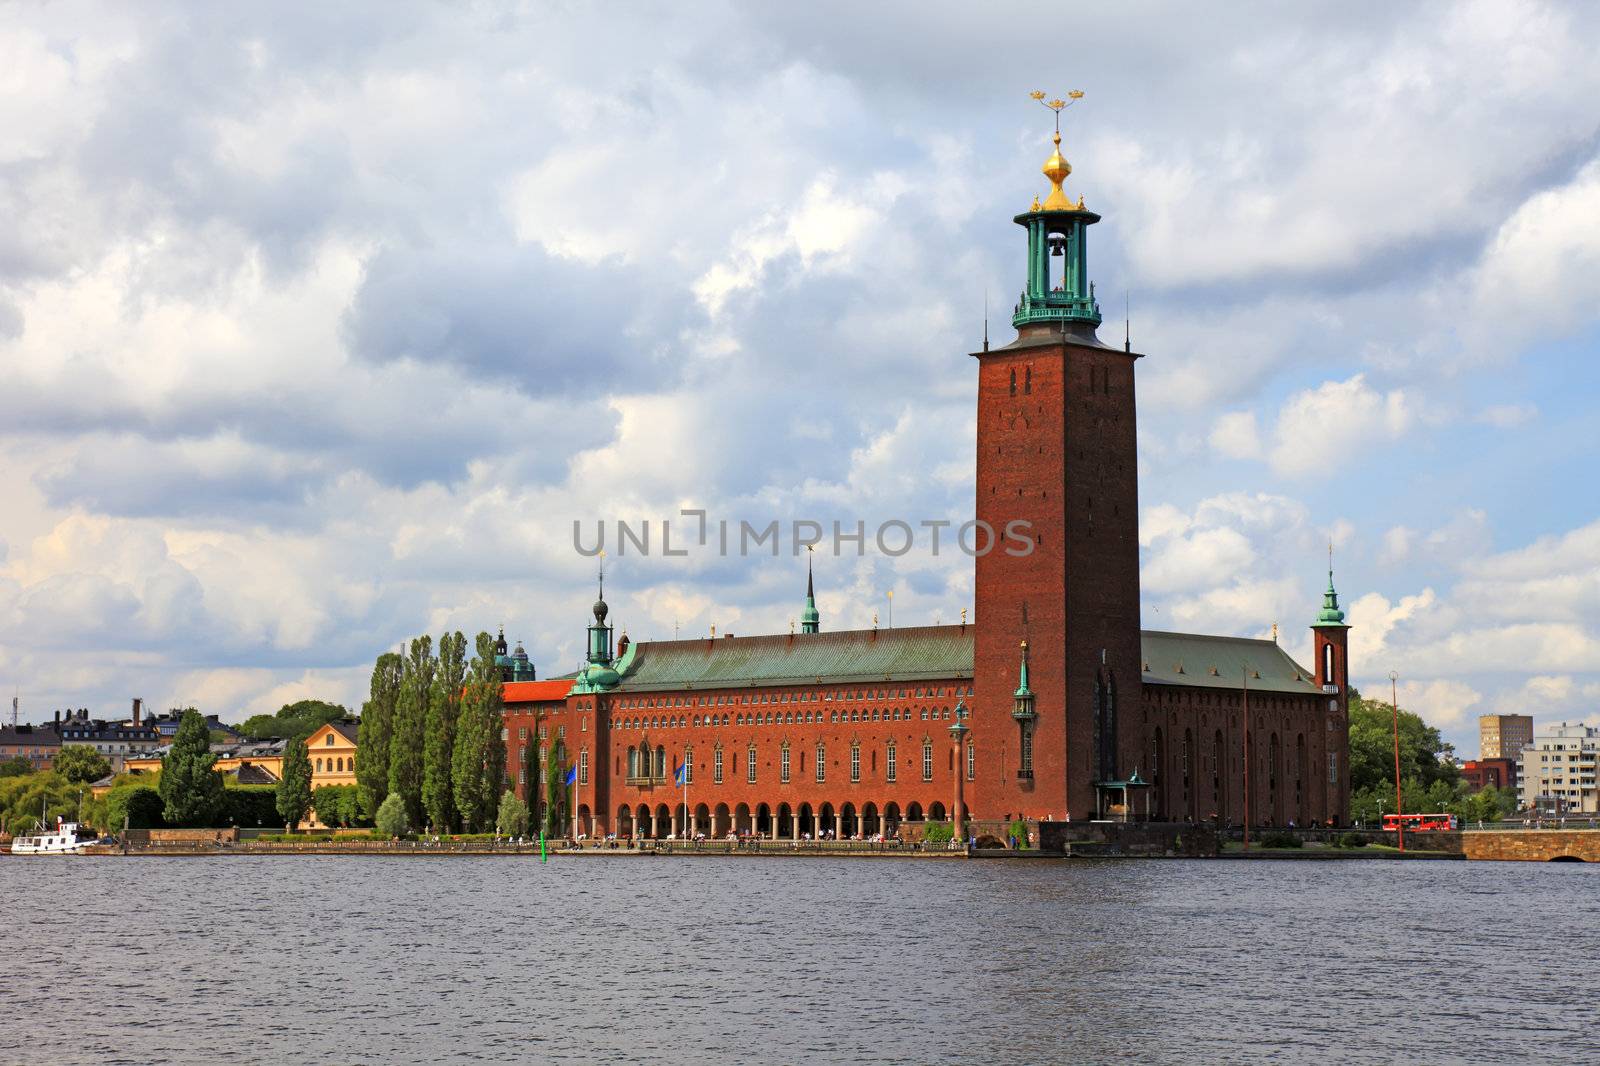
(346, 960)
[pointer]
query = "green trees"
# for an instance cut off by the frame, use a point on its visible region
(15, 767)
(299, 719)
(1430, 780)
(377, 727)
(1422, 751)
(555, 790)
(444, 709)
(190, 790)
(294, 786)
(133, 807)
(22, 799)
(432, 735)
(81, 764)
(391, 819)
(338, 805)
(478, 762)
(513, 817)
(410, 717)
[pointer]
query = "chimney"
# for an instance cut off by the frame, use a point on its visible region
(58, 718)
(136, 707)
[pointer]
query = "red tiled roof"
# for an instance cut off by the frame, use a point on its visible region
(534, 691)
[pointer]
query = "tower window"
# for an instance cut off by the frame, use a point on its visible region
(1013, 381)
(1027, 380)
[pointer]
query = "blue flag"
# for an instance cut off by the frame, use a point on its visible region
(683, 775)
(572, 775)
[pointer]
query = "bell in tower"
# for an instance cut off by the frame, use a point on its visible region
(1058, 289)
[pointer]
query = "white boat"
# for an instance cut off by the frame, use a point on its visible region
(67, 839)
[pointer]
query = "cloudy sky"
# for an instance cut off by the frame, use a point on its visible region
(319, 325)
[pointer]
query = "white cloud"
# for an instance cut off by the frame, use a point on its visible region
(1323, 426)
(1442, 702)
(306, 348)
(1234, 436)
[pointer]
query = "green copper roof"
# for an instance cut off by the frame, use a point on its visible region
(1221, 662)
(810, 618)
(922, 653)
(1330, 615)
(1023, 691)
(929, 653)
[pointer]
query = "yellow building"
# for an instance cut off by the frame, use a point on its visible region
(332, 751)
(265, 756)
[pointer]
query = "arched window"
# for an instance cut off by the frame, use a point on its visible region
(927, 760)
(1013, 381)
(1327, 664)
(889, 763)
(750, 764)
(633, 761)
(855, 762)
(319, 766)
(661, 762)
(822, 761)
(783, 763)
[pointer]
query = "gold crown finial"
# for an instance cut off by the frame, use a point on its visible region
(1056, 168)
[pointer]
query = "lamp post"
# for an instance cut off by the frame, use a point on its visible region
(1399, 804)
(958, 733)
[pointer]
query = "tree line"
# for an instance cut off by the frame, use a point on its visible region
(430, 751)
(1430, 780)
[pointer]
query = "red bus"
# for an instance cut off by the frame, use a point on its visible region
(1421, 823)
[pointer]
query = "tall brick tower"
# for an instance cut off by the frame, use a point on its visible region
(1056, 467)
(1331, 645)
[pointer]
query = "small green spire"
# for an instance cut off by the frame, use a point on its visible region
(810, 618)
(1022, 704)
(1330, 615)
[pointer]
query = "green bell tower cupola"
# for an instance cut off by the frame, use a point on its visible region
(1058, 288)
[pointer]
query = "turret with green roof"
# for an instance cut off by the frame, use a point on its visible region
(810, 619)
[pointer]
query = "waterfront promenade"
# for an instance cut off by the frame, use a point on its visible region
(1110, 842)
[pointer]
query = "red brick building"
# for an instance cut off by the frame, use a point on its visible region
(1490, 773)
(1052, 704)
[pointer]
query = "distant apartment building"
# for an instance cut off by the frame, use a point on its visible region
(167, 726)
(1558, 770)
(37, 744)
(1503, 736)
(117, 741)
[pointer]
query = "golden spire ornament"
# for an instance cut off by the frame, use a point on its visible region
(1056, 168)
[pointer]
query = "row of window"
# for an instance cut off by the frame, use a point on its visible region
(335, 766)
(544, 770)
(807, 717)
(925, 692)
(644, 763)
